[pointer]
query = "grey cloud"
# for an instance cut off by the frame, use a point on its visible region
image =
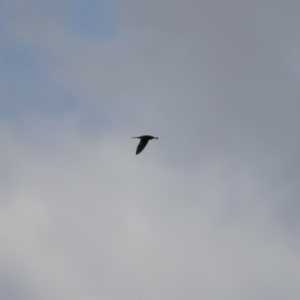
(212, 210)
(211, 78)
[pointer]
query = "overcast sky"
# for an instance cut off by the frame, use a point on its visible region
(210, 210)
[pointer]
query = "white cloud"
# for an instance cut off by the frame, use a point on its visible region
(90, 220)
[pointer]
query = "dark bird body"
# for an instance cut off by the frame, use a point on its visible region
(144, 139)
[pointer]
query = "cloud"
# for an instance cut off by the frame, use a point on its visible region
(209, 210)
(86, 219)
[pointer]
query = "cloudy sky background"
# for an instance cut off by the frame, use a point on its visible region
(208, 211)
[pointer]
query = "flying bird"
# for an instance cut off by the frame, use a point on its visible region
(144, 139)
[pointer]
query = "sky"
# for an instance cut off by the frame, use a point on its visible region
(210, 210)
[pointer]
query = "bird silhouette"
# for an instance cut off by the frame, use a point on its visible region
(144, 139)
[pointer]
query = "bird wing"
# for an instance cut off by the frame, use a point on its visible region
(141, 146)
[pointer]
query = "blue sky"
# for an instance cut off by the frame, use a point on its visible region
(85, 19)
(209, 210)
(26, 70)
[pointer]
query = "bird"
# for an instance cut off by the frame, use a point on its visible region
(144, 139)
